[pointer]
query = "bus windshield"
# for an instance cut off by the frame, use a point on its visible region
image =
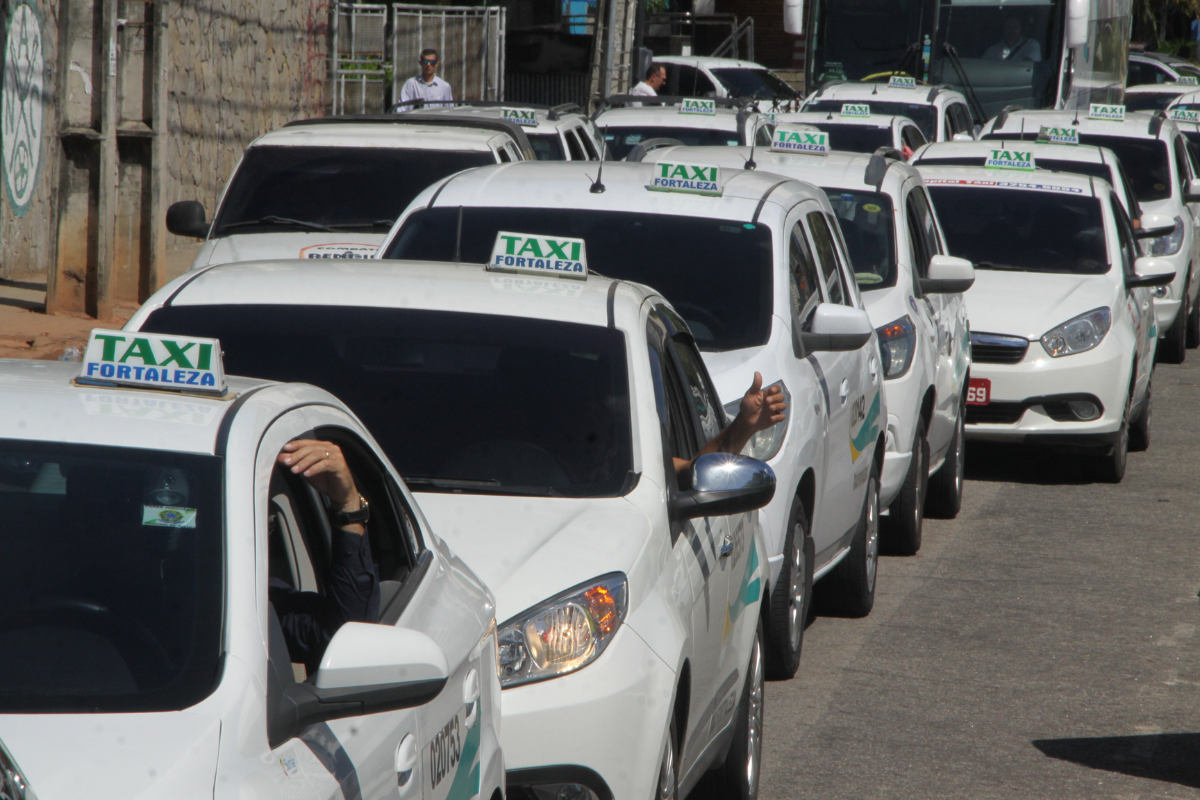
(860, 39)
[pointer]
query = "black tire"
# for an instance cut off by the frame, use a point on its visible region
(849, 590)
(900, 530)
(943, 500)
(1139, 429)
(1193, 326)
(668, 769)
(1173, 347)
(740, 773)
(1111, 468)
(791, 598)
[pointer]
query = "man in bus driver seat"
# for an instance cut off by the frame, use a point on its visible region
(1014, 46)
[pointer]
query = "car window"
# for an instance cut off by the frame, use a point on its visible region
(679, 436)
(689, 82)
(621, 140)
(827, 257)
(1182, 164)
(911, 137)
(805, 285)
(547, 146)
(865, 220)
(588, 144)
(948, 125)
(1135, 210)
(762, 137)
(705, 406)
(574, 147)
(925, 116)
(924, 230)
(1125, 235)
(503, 155)
(1136, 75)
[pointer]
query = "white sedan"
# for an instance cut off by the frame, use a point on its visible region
(208, 622)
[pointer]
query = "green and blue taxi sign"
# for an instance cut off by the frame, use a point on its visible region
(677, 176)
(1051, 135)
(855, 110)
(1183, 115)
(1106, 111)
(153, 361)
(800, 139)
(697, 105)
(902, 82)
(1010, 159)
(533, 254)
(521, 116)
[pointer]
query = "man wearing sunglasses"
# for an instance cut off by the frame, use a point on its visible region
(427, 86)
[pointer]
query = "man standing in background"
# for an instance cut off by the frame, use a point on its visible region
(427, 86)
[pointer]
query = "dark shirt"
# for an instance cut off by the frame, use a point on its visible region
(309, 620)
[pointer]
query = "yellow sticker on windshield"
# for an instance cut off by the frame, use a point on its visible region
(169, 516)
(871, 207)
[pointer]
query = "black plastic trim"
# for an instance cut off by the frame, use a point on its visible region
(763, 200)
(611, 303)
(391, 614)
(561, 773)
(222, 440)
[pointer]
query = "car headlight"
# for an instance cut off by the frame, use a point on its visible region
(563, 634)
(1167, 245)
(765, 445)
(897, 344)
(1079, 334)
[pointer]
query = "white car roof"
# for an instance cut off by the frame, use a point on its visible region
(1010, 179)
(42, 404)
(1162, 88)
(1084, 153)
(1190, 97)
(852, 91)
(373, 134)
(871, 120)
(724, 119)
(542, 115)
(711, 62)
(1137, 124)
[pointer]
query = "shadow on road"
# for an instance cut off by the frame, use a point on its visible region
(1170, 757)
(1015, 463)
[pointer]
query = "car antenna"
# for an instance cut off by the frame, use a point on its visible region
(750, 162)
(597, 186)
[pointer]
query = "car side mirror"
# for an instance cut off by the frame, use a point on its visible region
(367, 669)
(1192, 195)
(948, 275)
(962, 136)
(186, 218)
(1150, 271)
(1151, 226)
(837, 328)
(722, 484)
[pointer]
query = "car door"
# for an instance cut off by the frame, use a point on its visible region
(1184, 174)
(1139, 301)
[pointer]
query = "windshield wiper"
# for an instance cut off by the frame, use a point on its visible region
(1001, 267)
(490, 486)
(271, 219)
(379, 223)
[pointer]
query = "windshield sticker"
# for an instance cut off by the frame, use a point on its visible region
(902, 82)
(694, 105)
(792, 140)
(671, 176)
(340, 250)
(1010, 159)
(539, 255)
(1183, 115)
(168, 517)
(1044, 187)
(521, 116)
(1105, 111)
(1058, 135)
(873, 208)
(153, 361)
(1187, 80)
(856, 110)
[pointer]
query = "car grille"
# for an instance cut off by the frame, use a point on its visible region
(995, 414)
(992, 348)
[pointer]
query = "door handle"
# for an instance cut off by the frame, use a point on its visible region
(406, 762)
(844, 390)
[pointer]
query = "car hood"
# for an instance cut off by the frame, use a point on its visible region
(171, 755)
(528, 549)
(259, 246)
(1029, 303)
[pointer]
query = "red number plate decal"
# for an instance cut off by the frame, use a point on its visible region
(979, 392)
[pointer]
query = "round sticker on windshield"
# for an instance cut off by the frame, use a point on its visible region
(1160, 186)
(871, 207)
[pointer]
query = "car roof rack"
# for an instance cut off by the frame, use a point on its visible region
(484, 124)
(553, 113)
(1002, 117)
(1156, 122)
(877, 167)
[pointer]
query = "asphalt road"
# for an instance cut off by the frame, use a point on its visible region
(1042, 645)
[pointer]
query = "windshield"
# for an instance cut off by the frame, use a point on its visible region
(855, 138)
(716, 273)
(866, 222)
(537, 407)
(622, 140)
(1145, 161)
(546, 146)
(859, 39)
(1029, 231)
(741, 82)
(925, 116)
(111, 565)
(342, 188)
(1149, 101)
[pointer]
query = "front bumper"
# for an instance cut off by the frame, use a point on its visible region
(602, 727)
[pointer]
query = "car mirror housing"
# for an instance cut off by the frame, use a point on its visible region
(1150, 271)
(725, 483)
(837, 328)
(1192, 195)
(962, 136)
(948, 275)
(1154, 225)
(187, 218)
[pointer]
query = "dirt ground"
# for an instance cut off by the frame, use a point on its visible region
(27, 332)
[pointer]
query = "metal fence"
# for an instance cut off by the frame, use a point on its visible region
(549, 89)
(375, 48)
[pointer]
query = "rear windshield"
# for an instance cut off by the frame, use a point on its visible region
(547, 146)
(855, 138)
(460, 402)
(624, 139)
(716, 273)
(1149, 101)
(740, 82)
(925, 116)
(1145, 161)
(110, 578)
(335, 188)
(1020, 230)
(866, 222)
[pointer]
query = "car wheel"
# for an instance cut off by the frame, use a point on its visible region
(1139, 429)
(900, 530)
(1111, 468)
(1193, 326)
(1173, 347)
(944, 496)
(791, 598)
(743, 765)
(668, 777)
(849, 589)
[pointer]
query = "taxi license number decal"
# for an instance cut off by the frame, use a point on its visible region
(444, 751)
(979, 392)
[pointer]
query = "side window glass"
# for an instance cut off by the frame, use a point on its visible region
(1182, 164)
(805, 286)
(575, 148)
(762, 137)
(1124, 235)
(700, 393)
(827, 256)
(504, 156)
(918, 243)
(678, 438)
(921, 218)
(948, 126)
(687, 78)
(588, 144)
(1135, 210)
(704, 87)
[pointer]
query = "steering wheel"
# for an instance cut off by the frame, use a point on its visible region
(703, 314)
(144, 656)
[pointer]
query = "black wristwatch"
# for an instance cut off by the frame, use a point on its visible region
(343, 518)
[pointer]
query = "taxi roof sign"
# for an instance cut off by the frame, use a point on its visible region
(902, 82)
(676, 176)
(1011, 159)
(521, 116)
(695, 105)
(855, 110)
(153, 361)
(1187, 80)
(1058, 135)
(533, 254)
(1183, 115)
(800, 139)
(1106, 111)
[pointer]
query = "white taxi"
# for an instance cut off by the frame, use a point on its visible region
(942, 114)
(1154, 153)
(913, 292)
(713, 76)
(181, 634)
(538, 417)
(1158, 96)
(556, 133)
(632, 123)
(860, 133)
(1063, 332)
(330, 188)
(754, 264)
